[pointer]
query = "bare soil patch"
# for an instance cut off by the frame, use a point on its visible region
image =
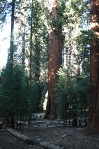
(68, 137)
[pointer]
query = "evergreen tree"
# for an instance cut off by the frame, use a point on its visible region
(55, 55)
(4, 9)
(13, 102)
(72, 94)
(94, 69)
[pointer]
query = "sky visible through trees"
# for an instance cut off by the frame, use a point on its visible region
(4, 44)
(4, 41)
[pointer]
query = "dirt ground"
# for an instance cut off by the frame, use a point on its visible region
(68, 137)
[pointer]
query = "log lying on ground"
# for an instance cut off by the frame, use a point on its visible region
(29, 140)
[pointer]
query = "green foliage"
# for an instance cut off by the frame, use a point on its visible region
(5, 9)
(35, 97)
(83, 40)
(69, 12)
(20, 86)
(72, 91)
(60, 19)
(14, 93)
(64, 87)
(83, 43)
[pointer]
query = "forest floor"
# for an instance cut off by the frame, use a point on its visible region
(68, 137)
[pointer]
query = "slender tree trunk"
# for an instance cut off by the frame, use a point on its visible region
(11, 58)
(12, 36)
(94, 70)
(23, 50)
(55, 61)
(31, 44)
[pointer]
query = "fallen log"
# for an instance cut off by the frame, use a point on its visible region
(31, 141)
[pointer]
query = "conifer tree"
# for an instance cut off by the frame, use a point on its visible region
(55, 56)
(10, 59)
(94, 67)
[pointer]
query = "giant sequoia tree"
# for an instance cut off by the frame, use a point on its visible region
(55, 57)
(94, 97)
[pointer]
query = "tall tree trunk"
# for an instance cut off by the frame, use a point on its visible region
(11, 59)
(55, 61)
(31, 44)
(36, 53)
(94, 70)
(23, 49)
(12, 36)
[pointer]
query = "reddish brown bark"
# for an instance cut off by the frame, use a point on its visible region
(55, 61)
(94, 60)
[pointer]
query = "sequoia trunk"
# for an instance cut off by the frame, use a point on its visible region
(55, 61)
(94, 60)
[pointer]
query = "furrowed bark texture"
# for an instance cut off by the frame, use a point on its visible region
(94, 68)
(55, 61)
